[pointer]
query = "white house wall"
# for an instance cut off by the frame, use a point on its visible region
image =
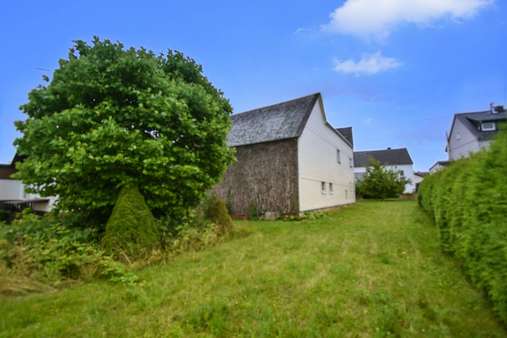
(317, 162)
(11, 190)
(14, 190)
(462, 142)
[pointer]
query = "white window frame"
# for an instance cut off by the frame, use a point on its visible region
(331, 188)
(491, 128)
(323, 188)
(338, 156)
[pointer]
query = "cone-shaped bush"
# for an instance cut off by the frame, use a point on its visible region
(216, 212)
(131, 230)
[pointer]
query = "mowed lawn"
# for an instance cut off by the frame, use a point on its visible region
(371, 269)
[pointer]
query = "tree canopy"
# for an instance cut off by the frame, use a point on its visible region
(381, 183)
(111, 116)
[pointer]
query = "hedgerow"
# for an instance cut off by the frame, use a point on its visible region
(468, 202)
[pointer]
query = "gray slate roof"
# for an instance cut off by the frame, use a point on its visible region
(473, 120)
(385, 157)
(347, 133)
(276, 122)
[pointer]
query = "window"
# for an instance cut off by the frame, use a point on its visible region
(488, 126)
(323, 187)
(351, 162)
(346, 194)
(330, 188)
(338, 157)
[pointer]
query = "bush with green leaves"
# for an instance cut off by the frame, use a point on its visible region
(381, 183)
(47, 250)
(214, 210)
(131, 231)
(467, 201)
(110, 116)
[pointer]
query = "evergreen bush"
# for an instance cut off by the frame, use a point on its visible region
(468, 202)
(131, 230)
(381, 183)
(213, 209)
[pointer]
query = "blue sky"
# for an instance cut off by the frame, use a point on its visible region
(395, 70)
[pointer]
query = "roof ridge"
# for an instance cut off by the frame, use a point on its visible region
(369, 151)
(474, 112)
(277, 104)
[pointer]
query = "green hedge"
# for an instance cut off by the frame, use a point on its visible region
(468, 202)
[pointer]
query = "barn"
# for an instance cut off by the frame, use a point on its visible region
(289, 160)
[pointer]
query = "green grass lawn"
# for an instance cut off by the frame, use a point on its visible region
(371, 269)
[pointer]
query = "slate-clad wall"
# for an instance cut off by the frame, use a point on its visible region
(264, 177)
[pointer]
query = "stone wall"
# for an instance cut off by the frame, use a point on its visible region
(264, 178)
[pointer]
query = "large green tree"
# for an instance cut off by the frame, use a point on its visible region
(111, 116)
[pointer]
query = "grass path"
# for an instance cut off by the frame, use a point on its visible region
(372, 269)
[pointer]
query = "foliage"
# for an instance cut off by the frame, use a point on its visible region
(110, 116)
(131, 231)
(44, 249)
(467, 201)
(214, 210)
(253, 211)
(381, 183)
(373, 269)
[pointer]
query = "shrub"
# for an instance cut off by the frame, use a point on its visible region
(214, 210)
(468, 204)
(131, 231)
(43, 249)
(380, 183)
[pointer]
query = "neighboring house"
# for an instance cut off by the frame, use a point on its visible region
(289, 160)
(418, 178)
(439, 165)
(471, 132)
(391, 159)
(13, 194)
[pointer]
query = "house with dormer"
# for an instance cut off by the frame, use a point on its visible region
(471, 132)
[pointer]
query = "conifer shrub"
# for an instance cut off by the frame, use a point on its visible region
(131, 231)
(214, 210)
(468, 202)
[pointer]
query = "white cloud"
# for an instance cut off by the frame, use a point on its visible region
(377, 18)
(368, 65)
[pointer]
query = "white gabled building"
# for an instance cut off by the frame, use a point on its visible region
(391, 159)
(289, 160)
(471, 132)
(13, 193)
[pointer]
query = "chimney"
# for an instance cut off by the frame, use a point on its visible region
(492, 107)
(499, 109)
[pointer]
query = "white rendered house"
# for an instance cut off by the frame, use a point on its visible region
(471, 132)
(391, 159)
(289, 160)
(13, 192)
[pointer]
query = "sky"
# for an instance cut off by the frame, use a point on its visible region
(395, 70)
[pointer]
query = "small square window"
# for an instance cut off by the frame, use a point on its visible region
(488, 126)
(323, 187)
(338, 156)
(330, 188)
